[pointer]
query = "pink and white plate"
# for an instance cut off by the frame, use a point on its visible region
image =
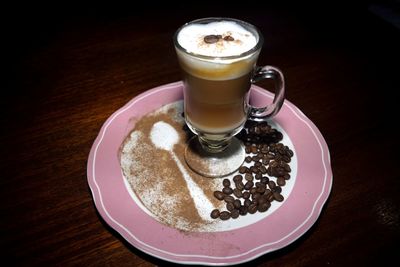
(288, 222)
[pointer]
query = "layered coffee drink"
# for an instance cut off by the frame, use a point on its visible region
(217, 59)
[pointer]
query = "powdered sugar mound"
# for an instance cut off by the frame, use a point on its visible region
(164, 136)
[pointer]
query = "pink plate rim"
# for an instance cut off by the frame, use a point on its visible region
(290, 221)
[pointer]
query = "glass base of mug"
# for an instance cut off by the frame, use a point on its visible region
(214, 163)
(213, 146)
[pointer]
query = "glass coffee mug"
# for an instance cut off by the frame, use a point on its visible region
(218, 59)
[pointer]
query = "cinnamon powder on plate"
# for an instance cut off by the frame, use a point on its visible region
(155, 178)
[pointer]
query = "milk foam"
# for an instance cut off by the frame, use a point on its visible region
(192, 36)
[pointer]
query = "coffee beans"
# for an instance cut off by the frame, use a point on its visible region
(226, 182)
(235, 214)
(210, 39)
(227, 190)
(219, 195)
(237, 178)
(254, 188)
(228, 199)
(229, 38)
(281, 181)
(230, 206)
(237, 192)
(243, 169)
(278, 197)
(215, 214)
(248, 185)
(237, 204)
(248, 177)
(252, 208)
(239, 185)
(263, 207)
(224, 215)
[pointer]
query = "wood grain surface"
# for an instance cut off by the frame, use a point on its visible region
(70, 68)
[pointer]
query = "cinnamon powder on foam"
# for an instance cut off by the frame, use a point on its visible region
(155, 177)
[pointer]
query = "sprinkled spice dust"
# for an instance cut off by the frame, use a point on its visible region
(156, 179)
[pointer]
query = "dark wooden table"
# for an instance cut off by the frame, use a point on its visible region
(67, 72)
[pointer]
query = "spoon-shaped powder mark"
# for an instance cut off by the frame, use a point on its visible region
(164, 136)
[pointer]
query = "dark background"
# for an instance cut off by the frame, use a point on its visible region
(29, 28)
(68, 66)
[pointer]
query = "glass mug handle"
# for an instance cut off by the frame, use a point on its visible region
(268, 72)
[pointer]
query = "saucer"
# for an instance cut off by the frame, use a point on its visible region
(290, 220)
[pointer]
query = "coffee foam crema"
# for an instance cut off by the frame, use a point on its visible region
(192, 39)
(192, 36)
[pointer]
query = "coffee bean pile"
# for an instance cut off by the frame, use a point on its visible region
(253, 189)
